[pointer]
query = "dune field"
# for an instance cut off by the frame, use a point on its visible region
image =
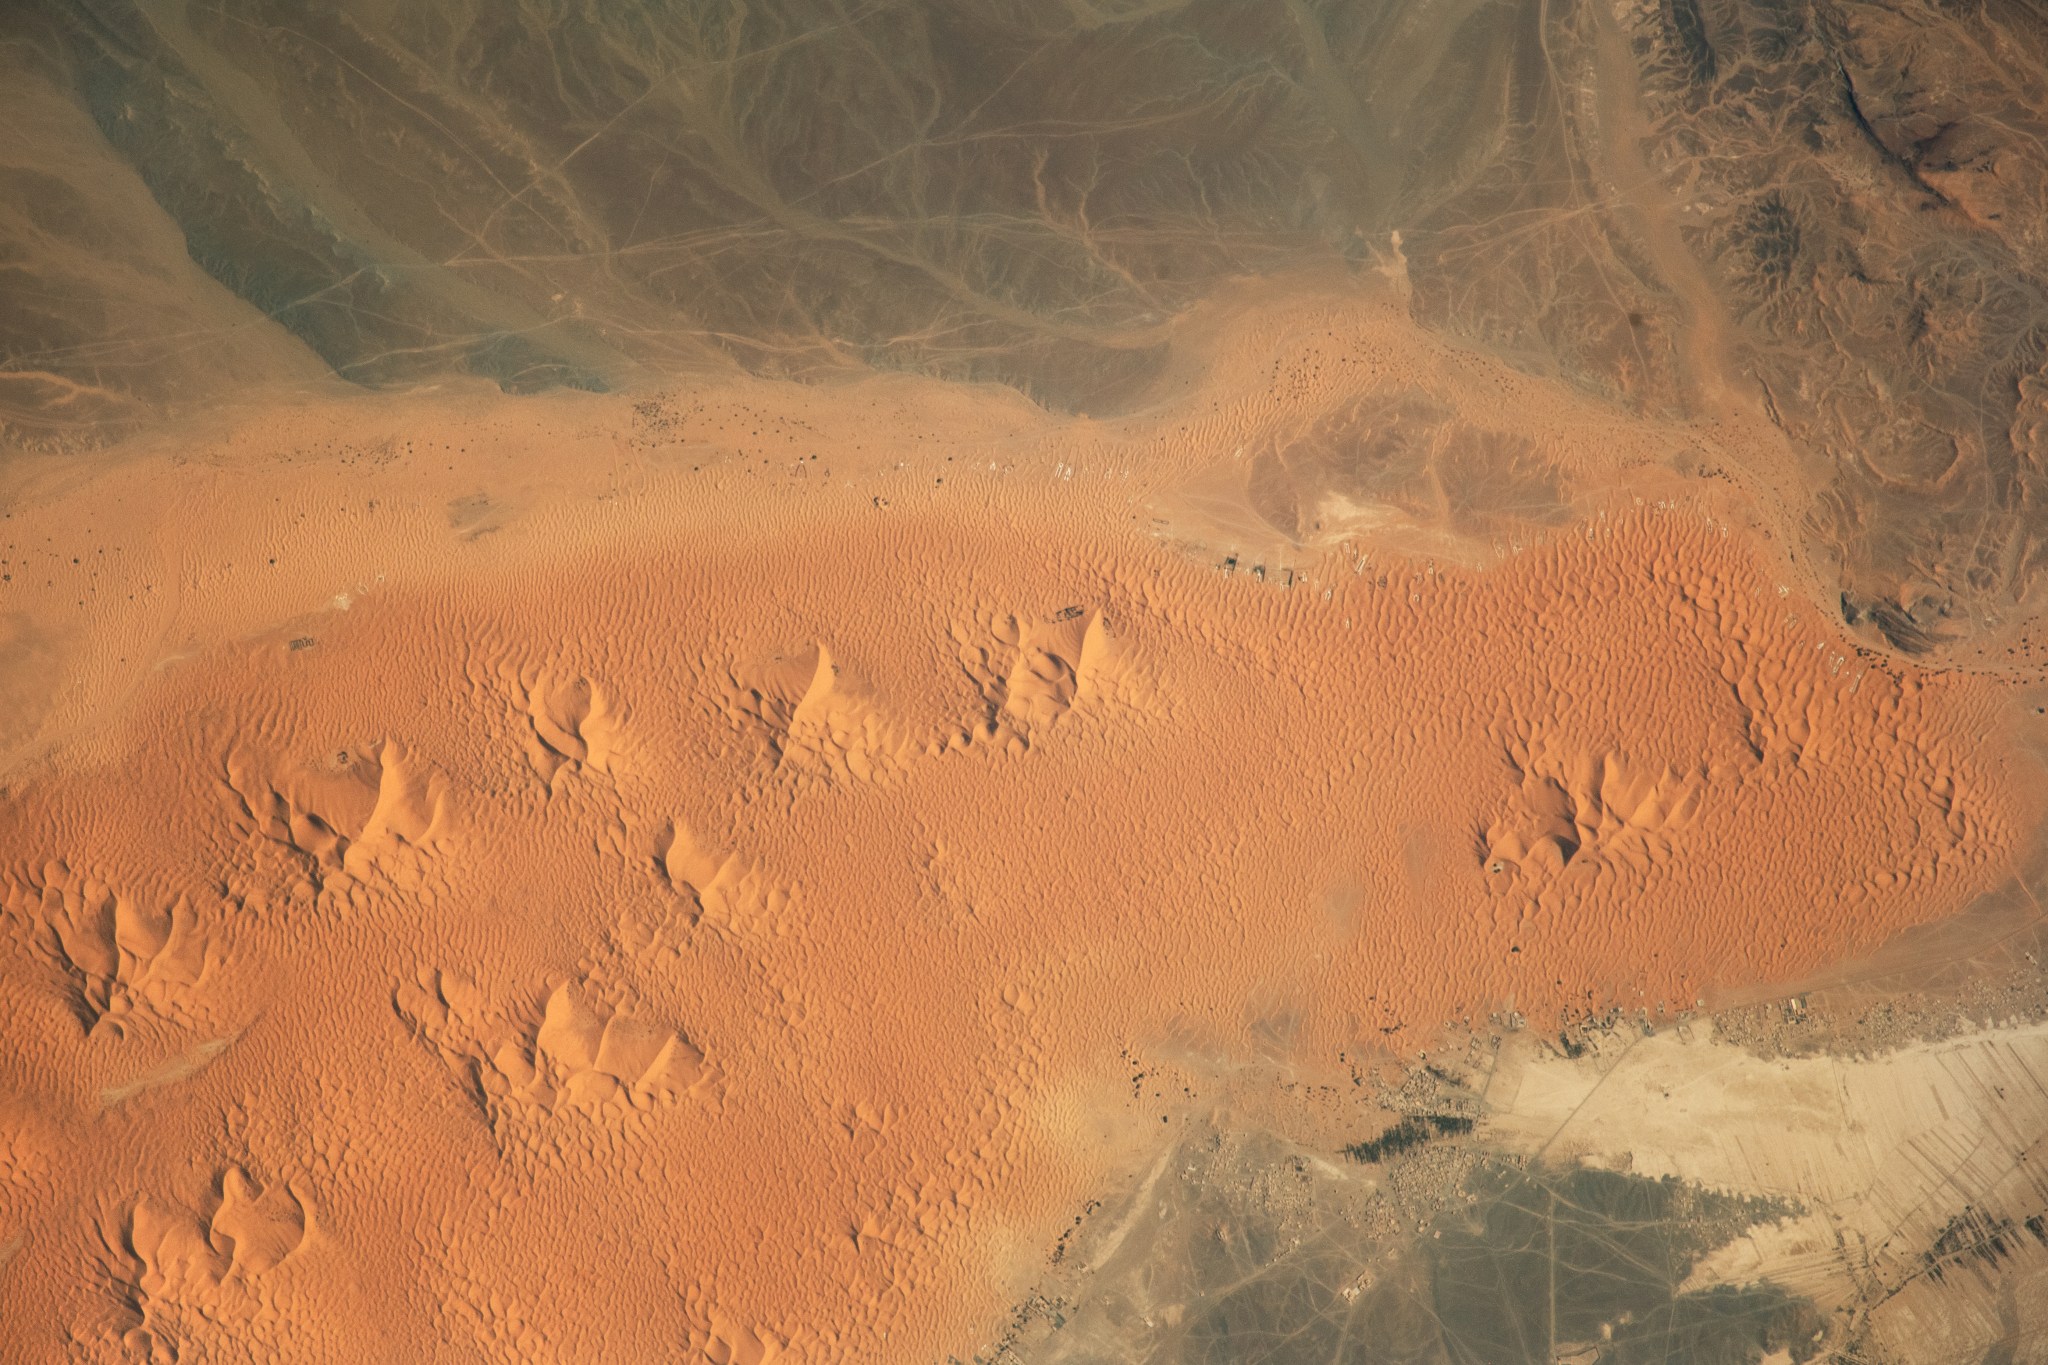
(768, 860)
(1167, 683)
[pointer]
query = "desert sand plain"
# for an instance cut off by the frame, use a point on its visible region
(740, 872)
(1130, 681)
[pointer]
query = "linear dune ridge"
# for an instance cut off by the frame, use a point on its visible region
(717, 903)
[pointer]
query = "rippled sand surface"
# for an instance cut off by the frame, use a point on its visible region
(1174, 683)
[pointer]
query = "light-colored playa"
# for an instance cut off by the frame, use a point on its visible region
(702, 873)
(1909, 1174)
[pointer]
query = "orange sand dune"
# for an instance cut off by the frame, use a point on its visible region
(725, 906)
